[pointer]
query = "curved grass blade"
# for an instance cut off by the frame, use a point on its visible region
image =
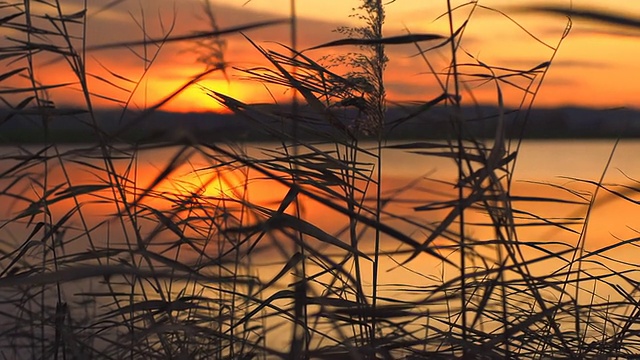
(601, 16)
(193, 36)
(392, 40)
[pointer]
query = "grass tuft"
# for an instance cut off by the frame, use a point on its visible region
(309, 246)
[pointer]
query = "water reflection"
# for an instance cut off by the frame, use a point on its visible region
(190, 180)
(194, 211)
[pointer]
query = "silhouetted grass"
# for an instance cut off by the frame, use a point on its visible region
(218, 251)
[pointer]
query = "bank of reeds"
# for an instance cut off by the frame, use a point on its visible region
(100, 259)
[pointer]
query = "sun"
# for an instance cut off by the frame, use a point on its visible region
(193, 98)
(197, 97)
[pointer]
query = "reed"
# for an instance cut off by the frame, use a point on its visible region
(107, 262)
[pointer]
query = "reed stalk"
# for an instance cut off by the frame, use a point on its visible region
(101, 257)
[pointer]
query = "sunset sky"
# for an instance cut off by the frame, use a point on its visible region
(596, 65)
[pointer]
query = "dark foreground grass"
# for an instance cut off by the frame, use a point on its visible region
(105, 257)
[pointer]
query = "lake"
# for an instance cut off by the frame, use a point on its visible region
(196, 192)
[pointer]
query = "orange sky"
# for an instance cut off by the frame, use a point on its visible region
(592, 68)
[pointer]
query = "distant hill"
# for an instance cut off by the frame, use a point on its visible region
(565, 122)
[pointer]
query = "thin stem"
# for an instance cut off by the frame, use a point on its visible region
(301, 288)
(459, 129)
(378, 64)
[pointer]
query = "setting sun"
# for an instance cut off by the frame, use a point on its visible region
(589, 68)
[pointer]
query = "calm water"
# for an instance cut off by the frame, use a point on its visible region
(554, 162)
(539, 163)
(544, 169)
(552, 169)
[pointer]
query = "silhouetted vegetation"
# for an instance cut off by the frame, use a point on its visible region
(104, 257)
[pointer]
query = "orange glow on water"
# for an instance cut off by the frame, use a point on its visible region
(200, 191)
